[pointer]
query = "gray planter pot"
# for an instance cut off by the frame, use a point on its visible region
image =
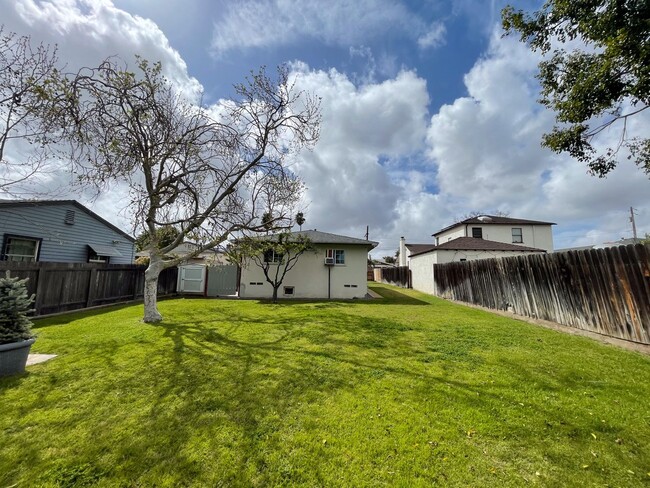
(13, 357)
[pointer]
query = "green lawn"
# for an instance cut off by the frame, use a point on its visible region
(405, 391)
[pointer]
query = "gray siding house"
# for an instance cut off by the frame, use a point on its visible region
(61, 231)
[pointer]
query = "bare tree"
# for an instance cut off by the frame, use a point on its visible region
(209, 172)
(26, 72)
(275, 255)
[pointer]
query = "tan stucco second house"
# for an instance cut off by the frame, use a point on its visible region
(336, 269)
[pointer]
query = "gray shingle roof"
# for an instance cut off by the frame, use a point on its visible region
(493, 219)
(474, 244)
(318, 237)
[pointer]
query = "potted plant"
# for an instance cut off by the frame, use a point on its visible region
(16, 337)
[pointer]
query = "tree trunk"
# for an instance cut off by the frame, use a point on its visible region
(151, 274)
(275, 294)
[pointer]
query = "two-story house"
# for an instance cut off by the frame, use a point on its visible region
(519, 232)
(481, 237)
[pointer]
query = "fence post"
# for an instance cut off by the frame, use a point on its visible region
(40, 290)
(92, 287)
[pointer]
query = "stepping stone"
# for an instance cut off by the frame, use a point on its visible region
(39, 358)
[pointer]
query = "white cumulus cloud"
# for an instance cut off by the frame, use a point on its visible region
(349, 186)
(266, 23)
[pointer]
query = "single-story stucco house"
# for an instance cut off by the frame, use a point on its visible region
(336, 268)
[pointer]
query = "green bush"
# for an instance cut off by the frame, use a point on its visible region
(15, 304)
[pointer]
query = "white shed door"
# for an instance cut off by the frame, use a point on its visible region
(191, 279)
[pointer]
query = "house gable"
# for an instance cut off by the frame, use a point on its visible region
(66, 231)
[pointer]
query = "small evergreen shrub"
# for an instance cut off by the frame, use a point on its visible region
(15, 304)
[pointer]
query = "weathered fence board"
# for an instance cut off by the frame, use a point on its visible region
(398, 276)
(600, 290)
(60, 287)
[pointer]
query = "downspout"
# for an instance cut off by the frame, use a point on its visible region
(329, 282)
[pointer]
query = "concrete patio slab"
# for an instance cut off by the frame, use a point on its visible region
(39, 358)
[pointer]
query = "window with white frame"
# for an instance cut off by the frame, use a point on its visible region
(22, 249)
(270, 256)
(337, 255)
(517, 235)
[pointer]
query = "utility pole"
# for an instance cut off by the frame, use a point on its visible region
(368, 232)
(633, 223)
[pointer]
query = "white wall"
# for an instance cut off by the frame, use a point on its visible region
(537, 236)
(451, 234)
(422, 271)
(403, 252)
(309, 277)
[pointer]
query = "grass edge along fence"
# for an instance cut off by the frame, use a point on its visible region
(62, 287)
(606, 291)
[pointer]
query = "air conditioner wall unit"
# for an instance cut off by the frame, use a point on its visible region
(329, 261)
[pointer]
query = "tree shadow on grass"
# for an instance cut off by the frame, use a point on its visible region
(249, 392)
(224, 389)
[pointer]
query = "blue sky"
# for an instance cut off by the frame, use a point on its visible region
(428, 113)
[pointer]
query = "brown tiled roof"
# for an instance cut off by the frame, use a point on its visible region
(418, 248)
(474, 244)
(493, 219)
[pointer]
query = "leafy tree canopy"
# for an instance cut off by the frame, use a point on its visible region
(164, 237)
(596, 87)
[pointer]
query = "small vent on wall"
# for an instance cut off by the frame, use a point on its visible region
(69, 217)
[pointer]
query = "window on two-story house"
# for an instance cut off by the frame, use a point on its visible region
(272, 257)
(477, 232)
(517, 235)
(20, 248)
(337, 255)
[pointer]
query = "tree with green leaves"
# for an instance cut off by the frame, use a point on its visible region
(596, 88)
(209, 172)
(275, 255)
(164, 237)
(300, 219)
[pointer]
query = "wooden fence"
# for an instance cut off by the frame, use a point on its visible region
(60, 287)
(600, 290)
(398, 276)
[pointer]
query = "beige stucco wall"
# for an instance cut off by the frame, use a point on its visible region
(453, 233)
(422, 271)
(422, 265)
(309, 277)
(537, 236)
